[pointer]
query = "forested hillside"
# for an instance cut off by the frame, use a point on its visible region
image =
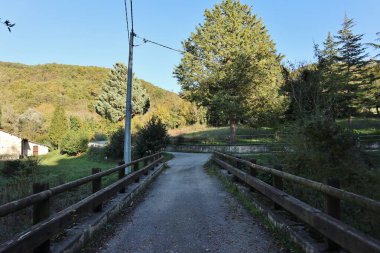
(31, 93)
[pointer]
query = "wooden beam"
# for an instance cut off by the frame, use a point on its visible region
(346, 236)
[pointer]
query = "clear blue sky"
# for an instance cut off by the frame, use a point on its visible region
(93, 32)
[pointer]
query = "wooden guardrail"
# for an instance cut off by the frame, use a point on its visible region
(38, 236)
(327, 223)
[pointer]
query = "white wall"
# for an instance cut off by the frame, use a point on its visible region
(10, 145)
(42, 150)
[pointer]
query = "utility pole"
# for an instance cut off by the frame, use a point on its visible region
(128, 112)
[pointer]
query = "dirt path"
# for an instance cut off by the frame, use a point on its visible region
(187, 210)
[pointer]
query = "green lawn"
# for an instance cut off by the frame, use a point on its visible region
(56, 168)
(363, 126)
(367, 128)
(212, 132)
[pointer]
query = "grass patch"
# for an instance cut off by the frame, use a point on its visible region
(279, 235)
(167, 156)
(210, 132)
(68, 168)
(261, 158)
(362, 126)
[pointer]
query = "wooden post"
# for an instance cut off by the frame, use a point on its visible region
(227, 161)
(146, 164)
(278, 183)
(97, 186)
(121, 175)
(332, 208)
(136, 168)
(238, 165)
(253, 173)
(40, 213)
(157, 157)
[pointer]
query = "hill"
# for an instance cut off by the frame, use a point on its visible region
(40, 88)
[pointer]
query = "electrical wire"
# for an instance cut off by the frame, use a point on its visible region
(126, 16)
(170, 48)
(159, 44)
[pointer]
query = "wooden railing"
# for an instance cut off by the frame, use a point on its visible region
(38, 236)
(327, 222)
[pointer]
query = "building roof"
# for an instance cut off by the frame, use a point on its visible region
(1, 130)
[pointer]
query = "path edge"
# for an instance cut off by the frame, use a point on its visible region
(80, 234)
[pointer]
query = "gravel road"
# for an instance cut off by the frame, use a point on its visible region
(186, 210)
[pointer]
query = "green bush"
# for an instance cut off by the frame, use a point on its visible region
(152, 138)
(321, 149)
(116, 144)
(16, 168)
(74, 142)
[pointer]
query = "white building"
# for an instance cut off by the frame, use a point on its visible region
(13, 147)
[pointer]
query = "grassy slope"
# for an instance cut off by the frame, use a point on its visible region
(43, 87)
(209, 132)
(67, 168)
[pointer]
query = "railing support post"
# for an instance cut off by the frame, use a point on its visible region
(136, 168)
(40, 213)
(97, 186)
(238, 166)
(157, 157)
(253, 173)
(146, 164)
(332, 208)
(121, 176)
(278, 183)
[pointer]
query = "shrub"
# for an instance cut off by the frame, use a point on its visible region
(116, 144)
(19, 167)
(152, 138)
(321, 149)
(74, 142)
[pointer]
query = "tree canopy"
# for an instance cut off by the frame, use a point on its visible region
(58, 127)
(230, 63)
(351, 68)
(111, 102)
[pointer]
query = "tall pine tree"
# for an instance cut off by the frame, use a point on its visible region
(111, 102)
(352, 69)
(327, 69)
(376, 46)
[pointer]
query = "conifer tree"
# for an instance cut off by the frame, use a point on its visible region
(58, 127)
(230, 63)
(327, 69)
(352, 69)
(376, 45)
(111, 102)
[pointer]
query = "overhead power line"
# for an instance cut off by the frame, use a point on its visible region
(126, 16)
(170, 48)
(159, 44)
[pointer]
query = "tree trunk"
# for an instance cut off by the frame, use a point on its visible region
(233, 127)
(377, 110)
(350, 122)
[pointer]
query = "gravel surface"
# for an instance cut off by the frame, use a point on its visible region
(186, 210)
